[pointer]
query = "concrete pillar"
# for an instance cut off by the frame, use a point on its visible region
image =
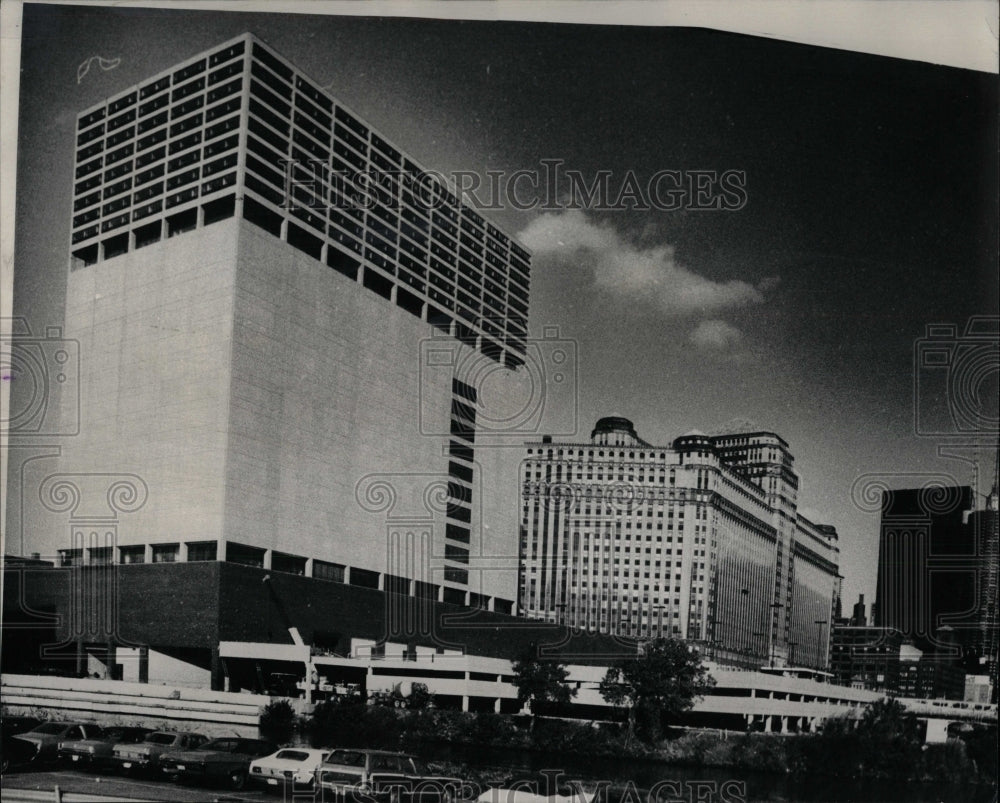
(496, 706)
(217, 670)
(784, 724)
(465, 702)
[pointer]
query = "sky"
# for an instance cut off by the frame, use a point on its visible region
(863, 195)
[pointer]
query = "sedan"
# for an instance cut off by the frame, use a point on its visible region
(289, 766)
(47, 736)
(145, 756)
(224, 760)
(98, 751)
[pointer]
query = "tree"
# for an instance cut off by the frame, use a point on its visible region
(658, 684)
(890, 740)
(539, 681)
(277, 721)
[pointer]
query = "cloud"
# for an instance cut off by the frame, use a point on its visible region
(644, 274)
(715, 335)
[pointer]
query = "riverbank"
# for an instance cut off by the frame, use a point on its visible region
(880, 750)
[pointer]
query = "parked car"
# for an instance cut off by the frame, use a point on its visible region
(145, 756)
(220, 760)
(288, 767)
(47, 736)
(15, 753)
(99, 751)
(385, 776)
(13, 725)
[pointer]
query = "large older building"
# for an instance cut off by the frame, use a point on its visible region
(284, 323)
(700, 540)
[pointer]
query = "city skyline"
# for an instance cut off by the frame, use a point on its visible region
(682, 320)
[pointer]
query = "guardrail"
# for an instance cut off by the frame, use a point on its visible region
(112, 700)
(57, 795)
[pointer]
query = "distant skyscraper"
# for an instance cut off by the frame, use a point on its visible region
(859, 617)
(985, 527)
(701, 540)
(937, 571)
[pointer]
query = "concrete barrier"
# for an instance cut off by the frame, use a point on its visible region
(213, 713)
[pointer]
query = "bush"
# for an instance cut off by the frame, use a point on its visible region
(981, 744)
(277, 721)
(353, 724)
(948, 762)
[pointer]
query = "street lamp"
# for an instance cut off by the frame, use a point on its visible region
(819, 630)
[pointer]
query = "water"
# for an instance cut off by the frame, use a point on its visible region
(631, 779)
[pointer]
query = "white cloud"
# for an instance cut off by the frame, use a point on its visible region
(649, 274)
(716, 335)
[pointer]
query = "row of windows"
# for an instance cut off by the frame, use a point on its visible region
(159, 85)
(151, 162)
(346, 257)
(461, 447)
(148, 183)
(199, 551)
(351, 153)
(378, 245)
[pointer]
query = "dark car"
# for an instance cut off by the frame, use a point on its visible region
(145, 756)
(381, 775)
(13, 725)
(225, 760)
(98, 752)
(47, 736)
(15, 753)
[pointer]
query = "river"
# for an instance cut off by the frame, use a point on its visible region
(630, 780)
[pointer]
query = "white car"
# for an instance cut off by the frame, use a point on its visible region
(290, 765)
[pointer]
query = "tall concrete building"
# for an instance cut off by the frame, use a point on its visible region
(254, 356)
(700, 540)
(284, 324)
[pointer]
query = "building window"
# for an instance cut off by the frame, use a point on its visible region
(328, 571)
(245, 555)
(290, 564)
(165, 553)
(364, 578)
(100, 556)
(202, 550)
(132, 554)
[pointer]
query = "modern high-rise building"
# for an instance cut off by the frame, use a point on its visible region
(985, 643)
(256, 276)
(937, 565)
(284, 323)
(700, 540)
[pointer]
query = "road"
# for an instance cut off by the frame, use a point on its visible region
(116, 786)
